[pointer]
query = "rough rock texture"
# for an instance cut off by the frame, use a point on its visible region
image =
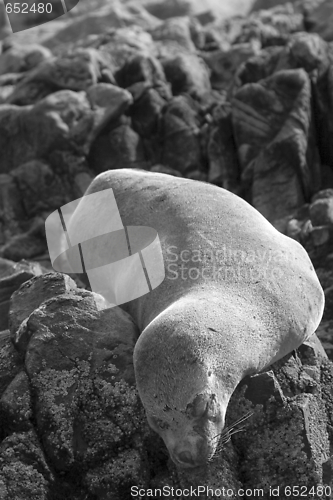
(12, 275)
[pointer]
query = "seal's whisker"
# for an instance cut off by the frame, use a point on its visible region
(225, 436)
(240, 420)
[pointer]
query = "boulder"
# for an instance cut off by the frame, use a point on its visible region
(225, 63)
(187, 73)
(12, 275)
(62, 120)
(19, 58)
(320, 20)
(76, 70)
(118, 146)
(224, 168)
(175, 32)
(141, 68)
(125, 43)
(114, 14)
(11, 363)
(163, 9)
(321, 211)
(277, 151)
(180, 136)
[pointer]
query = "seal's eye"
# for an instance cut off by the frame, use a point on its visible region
(204, 405)
(157, 423)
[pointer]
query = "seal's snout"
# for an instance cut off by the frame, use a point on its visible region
(191, 453)
(188, 459)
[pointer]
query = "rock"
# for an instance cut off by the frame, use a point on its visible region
(225, 63)
(82, 375)
(11, 364)
(320, 20)
(62, 120)
(20, 58)
(303, 50)
(146, 112)
(286, 403)
(12, 275)
(112, 15)
(322, 236)
(21, 454)
(323, 195)
(187, 73)
(267, 137)
(119, 147)
(175, 32)
(75, 70)
(125, 43)
(163, 9)
(259, 67)
(29, 243)
(321, 212)
(16, 405)
(40, 188)
(141, 68)
(165, 170)
(109, 102)
(29, 297)
(29, 92)
(180, 136)
(224, 168)
(11, 209)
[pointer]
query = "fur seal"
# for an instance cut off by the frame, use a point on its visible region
(238, 295)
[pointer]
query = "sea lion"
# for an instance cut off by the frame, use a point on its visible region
(237, 296)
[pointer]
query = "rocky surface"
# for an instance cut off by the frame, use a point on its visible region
(244, 103)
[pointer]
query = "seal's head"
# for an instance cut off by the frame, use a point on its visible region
(184, 398)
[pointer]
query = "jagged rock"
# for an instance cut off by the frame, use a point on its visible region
(224, 63)
(7, 85)
(118, 146)
(322, 236)
(29, 92)
(20, 58)
(76, 70)
(175, 32)
(321, 211)
(21, 456)
(63, 120)
(11, 364)
(12, 275)
(180, 136)
(141, 68)
(268, 134)
(163, 9)
(125, 43)
(145, 113)
(40, 188)
(303, 50)
(165, 170)
(320, 20)
(222, 153)
(29, 297)
(79, 364)
(109, 102)
(187, 74)
(16, 405)
(112, 15)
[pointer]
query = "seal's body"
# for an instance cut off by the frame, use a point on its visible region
(238, 295)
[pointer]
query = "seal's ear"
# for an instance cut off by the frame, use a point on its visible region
(204, 405)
